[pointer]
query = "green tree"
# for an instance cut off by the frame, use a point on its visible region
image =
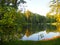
(12, 3)
(11, 22)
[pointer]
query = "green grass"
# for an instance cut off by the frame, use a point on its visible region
(50, 42)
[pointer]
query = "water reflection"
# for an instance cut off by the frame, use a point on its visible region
(38, 36)
(41, 32)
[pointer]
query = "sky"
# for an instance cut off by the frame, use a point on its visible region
(38, 6)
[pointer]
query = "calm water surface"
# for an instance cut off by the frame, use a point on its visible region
(41, 32)
(40, 36)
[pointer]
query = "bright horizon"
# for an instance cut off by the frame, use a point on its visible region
(38, 6)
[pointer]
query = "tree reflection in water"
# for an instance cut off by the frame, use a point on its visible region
(40, 32)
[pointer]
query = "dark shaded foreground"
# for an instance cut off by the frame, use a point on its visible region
(55, 41)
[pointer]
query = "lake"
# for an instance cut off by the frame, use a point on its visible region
(41, 32)
(41, 35)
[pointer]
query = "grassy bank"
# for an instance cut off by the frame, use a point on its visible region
(48, 42)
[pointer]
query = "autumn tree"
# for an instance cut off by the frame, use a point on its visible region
(55, 9)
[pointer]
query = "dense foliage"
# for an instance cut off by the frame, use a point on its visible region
(13, 22)
(12, 3)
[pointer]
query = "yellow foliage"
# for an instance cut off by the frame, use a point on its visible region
(58, 18)
(54, 23)
(27, 33)
(55, 10)
(27, 13)
(58, 28)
